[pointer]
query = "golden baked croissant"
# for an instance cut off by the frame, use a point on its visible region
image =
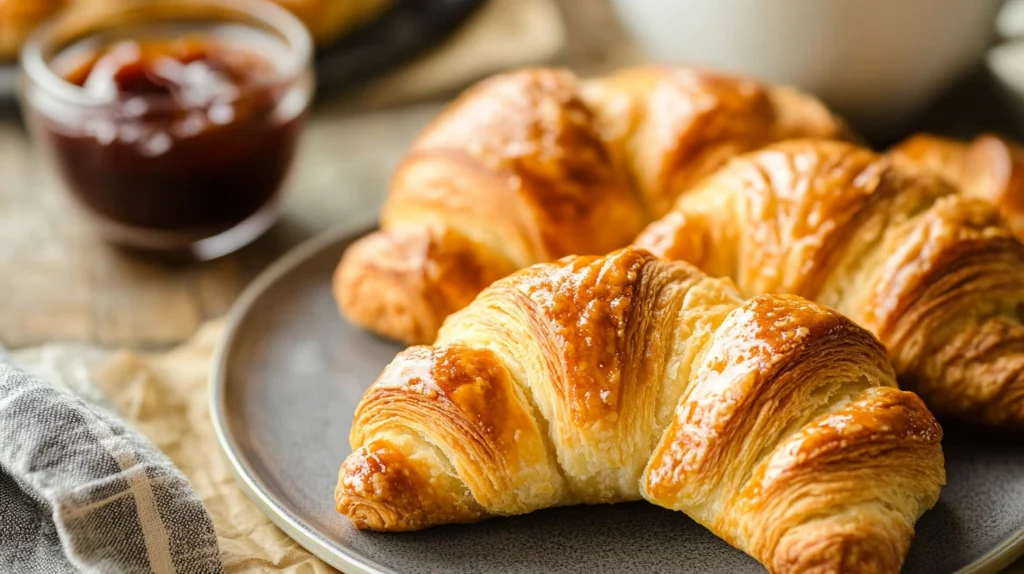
(774, 422)
(533, 165)
(934, 274)
(988, 167)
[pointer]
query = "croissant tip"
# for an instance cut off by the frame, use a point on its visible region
(362, 513)
(355, 492)
(377, 295)
(878, 548)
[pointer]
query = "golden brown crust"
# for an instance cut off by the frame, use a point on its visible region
(518, 155)
(670, 127)
(456, 409)
(933, 273)
(987, 167)
(775, 422)
(534, 165)
(773, 450)
(403, 284)
(511, 174)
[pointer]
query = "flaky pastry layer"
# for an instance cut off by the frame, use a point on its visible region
(533, 165)
(775, 422)
(935, 274)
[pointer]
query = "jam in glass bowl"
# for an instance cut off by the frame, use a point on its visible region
(173, 123)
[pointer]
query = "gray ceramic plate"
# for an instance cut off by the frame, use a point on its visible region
(290, 372)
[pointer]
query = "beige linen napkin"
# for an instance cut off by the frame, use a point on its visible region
(166, 397)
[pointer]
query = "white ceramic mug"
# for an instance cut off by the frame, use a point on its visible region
(874, 61)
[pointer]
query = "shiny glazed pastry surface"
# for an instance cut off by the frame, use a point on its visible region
(934, 273)
(987, 167)
(774, 422)
(533, 165)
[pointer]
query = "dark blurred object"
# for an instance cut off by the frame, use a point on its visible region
(974, 104)
(405, 31)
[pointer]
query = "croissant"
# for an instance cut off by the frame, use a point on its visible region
(988, 167)
(533, 165)
(775, 422)
(933, 273)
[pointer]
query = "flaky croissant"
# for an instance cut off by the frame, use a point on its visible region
(935, 274)
(774, 422)
(533, 165)
(988, 167)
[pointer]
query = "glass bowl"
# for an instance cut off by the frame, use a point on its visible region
(173, 123)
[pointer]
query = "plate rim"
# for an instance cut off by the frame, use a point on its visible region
(993, 561)
(251, 484)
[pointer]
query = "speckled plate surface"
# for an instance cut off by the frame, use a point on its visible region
(290, 372)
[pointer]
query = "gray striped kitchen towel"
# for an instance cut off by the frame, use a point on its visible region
(80, 491)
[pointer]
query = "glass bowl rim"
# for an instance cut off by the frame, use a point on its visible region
(36, 69)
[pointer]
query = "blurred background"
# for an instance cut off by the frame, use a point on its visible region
(384, 68)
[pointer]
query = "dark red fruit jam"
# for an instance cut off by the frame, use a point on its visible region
(194, 140)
